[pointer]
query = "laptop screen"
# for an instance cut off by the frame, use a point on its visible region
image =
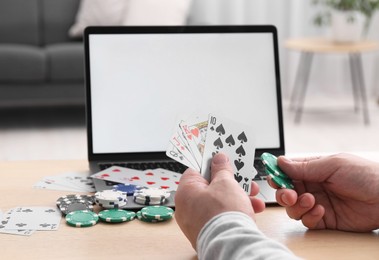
(141, 81)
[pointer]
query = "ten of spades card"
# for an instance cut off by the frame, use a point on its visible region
(237, 141)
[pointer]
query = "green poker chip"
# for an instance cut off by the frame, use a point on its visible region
(282, 183)
(277, 175)
(116, 215)
(271, 165)
(159, 213)
(140, 217)
(82, 218)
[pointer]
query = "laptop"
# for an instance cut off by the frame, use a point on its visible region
(141, 80)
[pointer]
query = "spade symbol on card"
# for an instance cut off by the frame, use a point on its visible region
(239, 164)
(238, 177)
(240, 151)
(220, 130)
(242, 137)
(230, 140)
(214, 153)
(218, 143)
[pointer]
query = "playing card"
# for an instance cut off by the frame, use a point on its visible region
(35, 218)
(119, 174)
(174, 153)
(80, 180)
(69, 181)
(180, 144)
(4, 218)
(161, 178)
(234, 139)
(194, 132)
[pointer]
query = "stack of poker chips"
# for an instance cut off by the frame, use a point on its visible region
(128, 188)
(74, 202)
(151, 196)
(154, 214)
(111, 199)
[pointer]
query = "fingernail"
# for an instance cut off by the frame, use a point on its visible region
(220, 159)
(286, 159)
(304, 203)
(284, 199)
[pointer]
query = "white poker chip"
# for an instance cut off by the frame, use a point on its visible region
(152, 193)
(149, 202)
(110, 195)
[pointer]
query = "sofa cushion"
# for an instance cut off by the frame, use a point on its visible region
(57, 18)
(19, 22)
(98, 12)
(153, 12)
(65, 61)
(20, 63)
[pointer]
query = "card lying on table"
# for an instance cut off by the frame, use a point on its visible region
(158, 178)
(201, 139)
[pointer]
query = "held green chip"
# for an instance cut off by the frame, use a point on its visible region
(277, 175)
(271, 165)
(282, 183)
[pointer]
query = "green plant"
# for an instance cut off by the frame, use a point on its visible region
(366, 7)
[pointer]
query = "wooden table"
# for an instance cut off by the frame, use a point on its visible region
(310, 46)
(138, 240)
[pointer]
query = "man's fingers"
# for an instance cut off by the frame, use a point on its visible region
(313, 218)
(221, 166)
(191, 176)
(303, 205)
(312, 170)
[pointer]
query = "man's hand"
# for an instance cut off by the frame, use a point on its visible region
(334, 192)
(197, 201)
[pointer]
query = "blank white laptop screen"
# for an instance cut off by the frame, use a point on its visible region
(143, 84)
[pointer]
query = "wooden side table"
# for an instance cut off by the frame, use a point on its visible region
(310, 46)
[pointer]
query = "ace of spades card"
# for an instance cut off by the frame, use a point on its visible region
(235, 140)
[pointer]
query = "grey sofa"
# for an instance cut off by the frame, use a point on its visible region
(39, 63)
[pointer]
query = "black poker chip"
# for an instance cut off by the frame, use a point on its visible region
(67, 208)
(74, 202)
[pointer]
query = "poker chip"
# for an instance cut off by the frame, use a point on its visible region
(148, 202)
(151, 196)
(110, 195)
(116, 215)
(277, 175)
(129, 189)
(140, 217)
(82, 218)
(282, 183)
(74, 202)
(159, 213)
(110, 199)
(75, 206)
(270, 162)
(67, 199)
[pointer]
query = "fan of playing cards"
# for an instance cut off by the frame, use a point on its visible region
(197, 140)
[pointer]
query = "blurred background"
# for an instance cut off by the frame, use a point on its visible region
(38, 125)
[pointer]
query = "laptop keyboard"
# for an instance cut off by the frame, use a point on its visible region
(259, 166)
(168, 165)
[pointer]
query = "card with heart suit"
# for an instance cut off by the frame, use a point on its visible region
(34, 218)
(194, 131)
(158, 178)
(179, 142)
(220, 134)
(161, 178)
(118, 174)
